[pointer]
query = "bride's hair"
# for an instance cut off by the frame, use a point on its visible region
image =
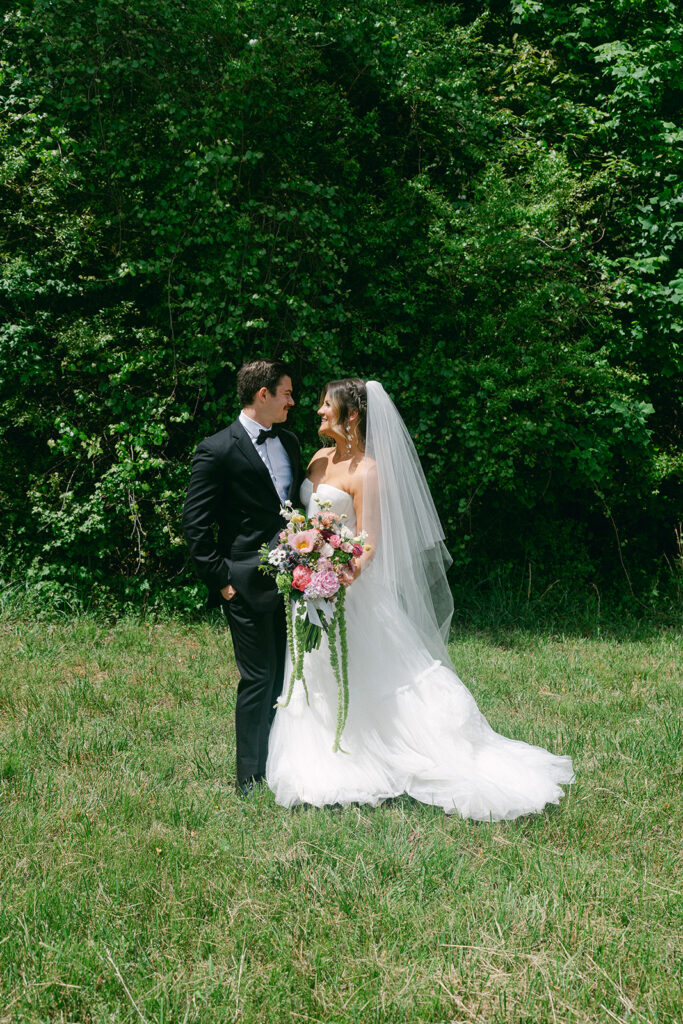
(346, 395)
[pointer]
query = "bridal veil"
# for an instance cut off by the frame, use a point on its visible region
(410, 558)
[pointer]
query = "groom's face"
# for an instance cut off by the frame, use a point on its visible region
(276, 407)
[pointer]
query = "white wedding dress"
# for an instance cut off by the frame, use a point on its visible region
(413, 727)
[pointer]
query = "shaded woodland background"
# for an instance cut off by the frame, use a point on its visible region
(477, 203)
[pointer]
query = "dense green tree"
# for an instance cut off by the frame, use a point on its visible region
(475, 203)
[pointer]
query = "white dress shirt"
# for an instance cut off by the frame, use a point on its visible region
(273, 455)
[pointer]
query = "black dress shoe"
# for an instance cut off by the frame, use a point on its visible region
(247, 787)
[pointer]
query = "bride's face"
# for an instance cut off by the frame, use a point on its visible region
(329, 421)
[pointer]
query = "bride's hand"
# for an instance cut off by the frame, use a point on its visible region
(352, 572)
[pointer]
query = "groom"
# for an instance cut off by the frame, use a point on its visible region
(240, 478)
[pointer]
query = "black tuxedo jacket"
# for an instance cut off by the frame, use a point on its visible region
(231, 509)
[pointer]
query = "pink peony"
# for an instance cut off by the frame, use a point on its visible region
(322, 584)
(335, 540)
(304, 541)
(301, 577)
(357, 550)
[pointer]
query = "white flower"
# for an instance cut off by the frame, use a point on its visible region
(345, 533)
(326, 551)
(278, 558)
(322, 503)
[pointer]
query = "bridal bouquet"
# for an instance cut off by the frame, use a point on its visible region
(312, 565)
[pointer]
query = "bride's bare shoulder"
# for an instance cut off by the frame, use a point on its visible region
(362, 475)
(319, 463)
(368, 467)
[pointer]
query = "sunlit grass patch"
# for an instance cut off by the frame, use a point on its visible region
(137, 885)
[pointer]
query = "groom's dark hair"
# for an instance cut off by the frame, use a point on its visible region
(259, 373)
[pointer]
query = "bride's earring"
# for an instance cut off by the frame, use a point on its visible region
(347, 431)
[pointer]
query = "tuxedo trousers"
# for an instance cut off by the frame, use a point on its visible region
(259, 641)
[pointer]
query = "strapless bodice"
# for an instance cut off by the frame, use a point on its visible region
(342, 502)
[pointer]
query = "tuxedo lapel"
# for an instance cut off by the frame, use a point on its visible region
(246, 447)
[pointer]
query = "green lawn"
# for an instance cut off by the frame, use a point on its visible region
(137, 886)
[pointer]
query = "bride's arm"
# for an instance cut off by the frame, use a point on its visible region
(366, 507)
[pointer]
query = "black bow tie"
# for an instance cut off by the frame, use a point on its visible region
(265, 434)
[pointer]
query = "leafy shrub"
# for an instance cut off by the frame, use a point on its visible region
(476, 208)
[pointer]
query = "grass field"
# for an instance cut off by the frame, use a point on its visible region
(137, 886)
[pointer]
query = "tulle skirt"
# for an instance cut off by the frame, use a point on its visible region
(413, 727)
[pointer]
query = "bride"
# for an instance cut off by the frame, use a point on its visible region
(413, 727)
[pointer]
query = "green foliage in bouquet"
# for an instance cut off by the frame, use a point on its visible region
(303, 637)
(296, 638)
(339, 659)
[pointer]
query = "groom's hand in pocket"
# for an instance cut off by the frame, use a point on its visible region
(228, 592)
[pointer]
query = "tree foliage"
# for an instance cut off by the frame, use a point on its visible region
(474, 203)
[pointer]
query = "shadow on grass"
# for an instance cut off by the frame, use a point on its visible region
(490, 608)
(503, 615)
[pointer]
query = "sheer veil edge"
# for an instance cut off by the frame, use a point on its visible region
(410, 558)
